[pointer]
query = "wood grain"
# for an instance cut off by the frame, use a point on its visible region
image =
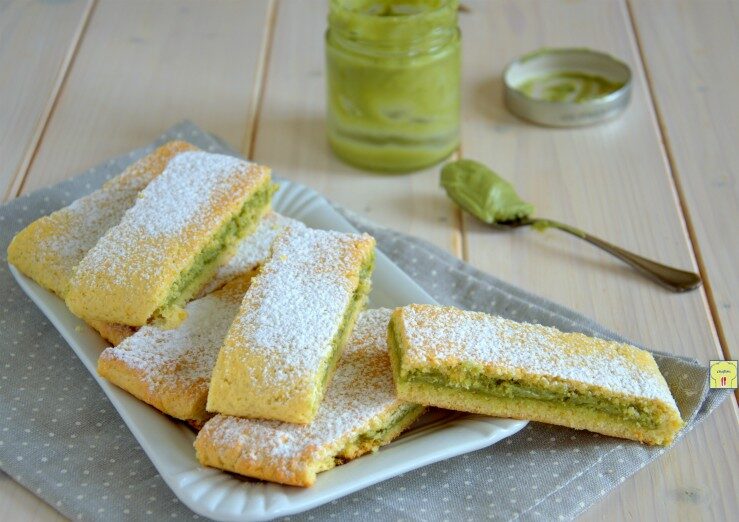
(37, 42)
(612, 180)
(291, 138)
(687, 48)
(144, 66)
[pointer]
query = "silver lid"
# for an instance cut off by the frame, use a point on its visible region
(570, 112)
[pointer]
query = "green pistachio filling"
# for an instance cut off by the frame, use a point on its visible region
(404, 416)
(350, 316)
(470, 380)
(400, 420)
(220, 247)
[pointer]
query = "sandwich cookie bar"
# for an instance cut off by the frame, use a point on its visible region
(471, 361)
(185, 224)
(279, 354)
(49, 249)
(252, 252)
(359, 413)
(170, 369)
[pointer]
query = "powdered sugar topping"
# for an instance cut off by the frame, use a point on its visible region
(184, 191)
(295, 306)
(183, 204)
(185, 356)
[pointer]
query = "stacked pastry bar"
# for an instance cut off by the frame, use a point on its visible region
(49, 249)
(184, 225)
(359, 413)
(470, 361)
(281, 349)
(170, 368)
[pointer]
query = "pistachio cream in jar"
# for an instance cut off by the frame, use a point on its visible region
(393, 74)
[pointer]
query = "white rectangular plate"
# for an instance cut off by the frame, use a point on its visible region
(223, 496)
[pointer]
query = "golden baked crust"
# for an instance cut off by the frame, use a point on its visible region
(359, 414)
(471, 361)
(112, 332)
(283, 344)
(129, 275)
(49, 249)
(170, 369)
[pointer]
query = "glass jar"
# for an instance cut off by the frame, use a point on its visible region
(393, 74)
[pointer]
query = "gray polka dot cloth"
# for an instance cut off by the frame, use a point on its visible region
(61, 439)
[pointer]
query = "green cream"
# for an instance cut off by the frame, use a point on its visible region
(483, 193)
(403, 418)
(568, 86)
(514, 390)
(400, 419)
(221, 244)
(350, 316)
(470, 381)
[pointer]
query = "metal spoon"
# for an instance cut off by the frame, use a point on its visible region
(672, 278)
(493, 200)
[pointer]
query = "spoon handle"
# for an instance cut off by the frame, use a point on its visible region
(673, 278)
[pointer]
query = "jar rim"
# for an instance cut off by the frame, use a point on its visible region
(432, 27)
(341, 5)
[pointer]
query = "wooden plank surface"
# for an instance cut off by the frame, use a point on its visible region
(144, 66)
(291, 138)
(690, 52)
(612, 180)
(37, 42)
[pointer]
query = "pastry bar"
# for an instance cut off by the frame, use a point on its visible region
(184, 225)
(359, 414)
(470, 361)
(294, 321)
(170, 369)
(49, 249)
(252, 252)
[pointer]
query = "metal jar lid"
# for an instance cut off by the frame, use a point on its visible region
(548, 62)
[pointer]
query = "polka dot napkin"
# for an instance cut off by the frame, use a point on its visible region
(61, 438)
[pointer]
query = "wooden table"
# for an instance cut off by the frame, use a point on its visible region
(83, 80)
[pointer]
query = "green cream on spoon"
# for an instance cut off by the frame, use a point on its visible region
(490, 198)
(483, 193)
